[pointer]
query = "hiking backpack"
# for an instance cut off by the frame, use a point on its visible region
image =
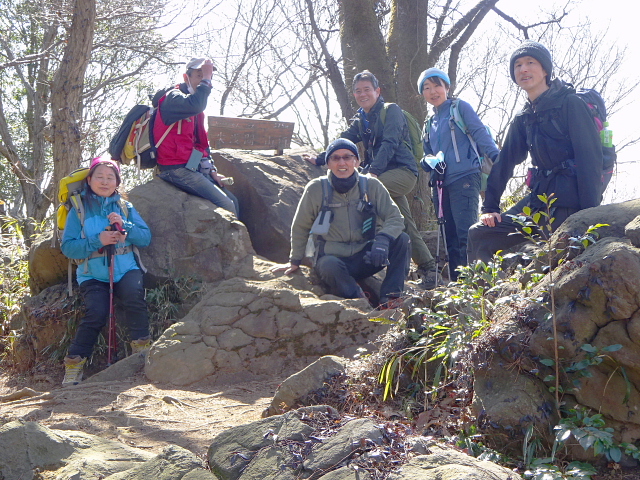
(415, 132)
(598, 110)
(134, 141)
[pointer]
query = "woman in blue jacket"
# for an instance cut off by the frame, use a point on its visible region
(460, 180)
(103, 208)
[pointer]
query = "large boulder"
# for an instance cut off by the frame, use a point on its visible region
(191, 236)
(596, 302)
(47, 265)
(251, 329)
(268, 189)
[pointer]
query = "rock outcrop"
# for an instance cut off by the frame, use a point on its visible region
(305, 382)
(191, 236)
(28, 448)
(313, 442)
(268, 189)
(597, 300)
(251, 329)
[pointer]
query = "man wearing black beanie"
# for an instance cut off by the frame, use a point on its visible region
(557, 130)
(351, 228)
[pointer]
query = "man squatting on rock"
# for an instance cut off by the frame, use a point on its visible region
(389, 158)
(184, 158)
(557, 129)
(345, 254)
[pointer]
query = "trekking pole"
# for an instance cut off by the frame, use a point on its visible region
(444, 233)
(112, 347)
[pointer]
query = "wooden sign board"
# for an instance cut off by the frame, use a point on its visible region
(249, 134)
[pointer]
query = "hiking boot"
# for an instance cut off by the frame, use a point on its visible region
(430, 279)
(73, 366)
(141, 345)
(392, 303)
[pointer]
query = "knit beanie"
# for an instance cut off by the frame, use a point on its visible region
(536, 50)
(432, 72)
(96, 162)
(339, 144)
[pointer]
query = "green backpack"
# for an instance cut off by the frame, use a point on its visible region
(415, 132)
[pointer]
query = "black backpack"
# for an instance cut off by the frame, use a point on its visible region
(596, 105)
(598, 110)
(134, 141)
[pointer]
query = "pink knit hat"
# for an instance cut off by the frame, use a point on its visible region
(105, 160)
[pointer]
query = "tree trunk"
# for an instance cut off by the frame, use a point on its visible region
(408, 52)
(360, 33)
(67, 88)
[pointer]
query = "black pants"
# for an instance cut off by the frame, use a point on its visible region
(460, 201)
(342, 273)
(130, 294)
(483, 241)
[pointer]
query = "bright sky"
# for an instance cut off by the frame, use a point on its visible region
(624, 123)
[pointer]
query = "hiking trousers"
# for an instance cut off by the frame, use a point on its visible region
(460, 206)
(399, 182)
(341, 274)
(197, 184)
(95, 294)
(484, 241)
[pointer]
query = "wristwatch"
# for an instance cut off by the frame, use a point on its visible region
(207, 82)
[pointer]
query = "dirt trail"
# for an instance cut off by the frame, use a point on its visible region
(139, 413)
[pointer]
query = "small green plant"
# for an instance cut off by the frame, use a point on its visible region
(445, 332)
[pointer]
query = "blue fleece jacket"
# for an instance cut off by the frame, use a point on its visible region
(439, 139)
(76, 247)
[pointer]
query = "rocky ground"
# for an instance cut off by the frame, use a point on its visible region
(136, 412)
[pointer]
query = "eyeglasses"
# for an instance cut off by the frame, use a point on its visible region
(346, 158)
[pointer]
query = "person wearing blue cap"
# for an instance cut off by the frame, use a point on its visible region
(355, 228)
(556, 129)
(456, 134)
(388, 157)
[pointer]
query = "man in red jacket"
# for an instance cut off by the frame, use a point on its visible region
(184, 158)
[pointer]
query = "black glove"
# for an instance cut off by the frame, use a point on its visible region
(378, 256)
(321, 159)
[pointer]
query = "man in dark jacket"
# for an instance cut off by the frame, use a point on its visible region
(557, 129)
(388, 158)
(180, 125)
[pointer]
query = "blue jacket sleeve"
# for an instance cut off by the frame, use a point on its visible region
(478, 131)
(138, 232)
(179, 105)
(73, 245)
